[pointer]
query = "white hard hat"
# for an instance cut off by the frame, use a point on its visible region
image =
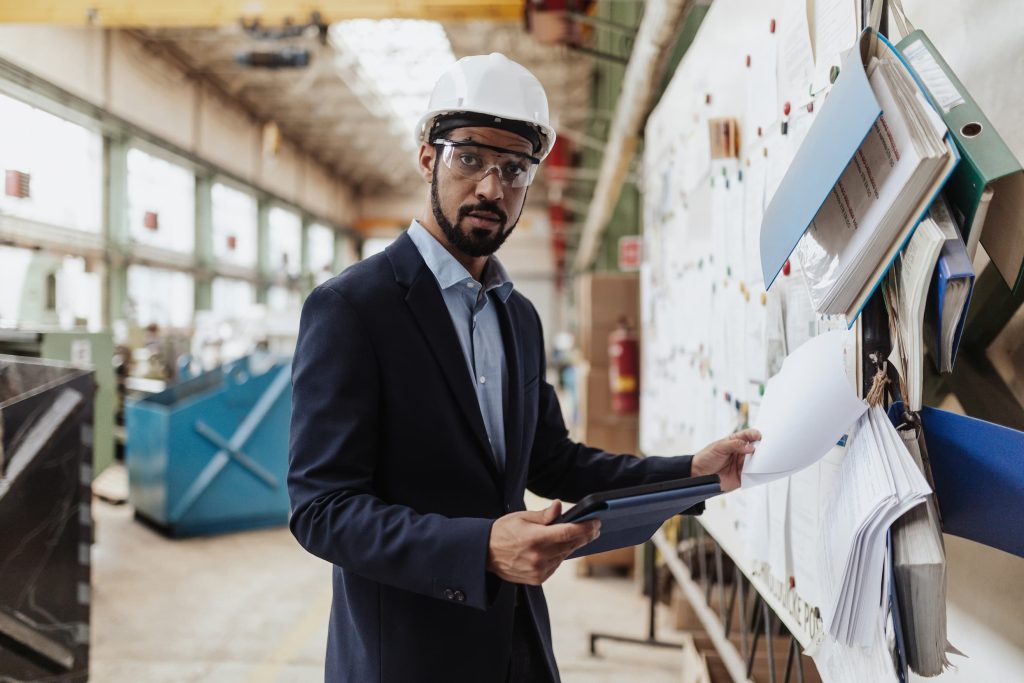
(492, 85)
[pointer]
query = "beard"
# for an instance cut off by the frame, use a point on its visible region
(474, 242)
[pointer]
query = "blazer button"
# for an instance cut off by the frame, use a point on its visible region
(449, 594)
(460, 596)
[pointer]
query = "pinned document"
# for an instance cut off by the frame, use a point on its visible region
(807, 407)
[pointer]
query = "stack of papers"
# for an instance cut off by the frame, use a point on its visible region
(874, 206)
(907, 293)
(877, 482)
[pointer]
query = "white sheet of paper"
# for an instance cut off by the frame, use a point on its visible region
(780, 557)
(796, 60)
(805, 410)
(835, 31)
(753, 211)
(763, 108)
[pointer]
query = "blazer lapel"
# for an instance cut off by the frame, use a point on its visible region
(428, 308)
(514, 457)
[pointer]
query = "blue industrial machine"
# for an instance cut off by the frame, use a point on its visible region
(210, 454)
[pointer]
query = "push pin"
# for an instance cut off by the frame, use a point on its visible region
(764, 299)
(833, 74)
(707, 98)
(771, 27)
(810, 107)
(786, 268)
(739, 174)
(748, 61)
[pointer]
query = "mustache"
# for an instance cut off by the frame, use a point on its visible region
(489, 207)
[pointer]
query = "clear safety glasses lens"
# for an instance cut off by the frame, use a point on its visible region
(474, 162)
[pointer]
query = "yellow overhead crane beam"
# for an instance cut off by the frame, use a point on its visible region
(212, 13)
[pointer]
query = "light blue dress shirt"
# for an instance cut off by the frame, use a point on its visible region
(476, 324)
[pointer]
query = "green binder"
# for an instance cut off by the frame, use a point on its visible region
(988, 177)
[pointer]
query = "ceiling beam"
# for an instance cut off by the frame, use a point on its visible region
(203, 13)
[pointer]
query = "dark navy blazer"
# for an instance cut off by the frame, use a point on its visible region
(392, 480)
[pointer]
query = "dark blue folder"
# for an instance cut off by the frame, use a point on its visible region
(630, 516)
(978, 472)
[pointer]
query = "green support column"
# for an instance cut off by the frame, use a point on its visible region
(341, 252)
(305, 276)
(263, 248)
(204, 258)
(116, 230)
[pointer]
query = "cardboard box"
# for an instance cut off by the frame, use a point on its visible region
(620, 558)
(601, 299)
(612, 438)
(595, 399)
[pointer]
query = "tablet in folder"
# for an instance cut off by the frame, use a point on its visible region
(631, 515)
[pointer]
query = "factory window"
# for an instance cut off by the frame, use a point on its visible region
(232, 297)
(161, 202)
(52, 168)
(285, 243)
(160, 296)
(320, 242)
(234, 226)
(283, 299)
(375, 245)
(42, 288)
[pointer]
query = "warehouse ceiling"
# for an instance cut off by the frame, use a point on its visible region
(334, 111)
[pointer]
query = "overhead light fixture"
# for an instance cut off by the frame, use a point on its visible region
(392, 65)
(287, 58)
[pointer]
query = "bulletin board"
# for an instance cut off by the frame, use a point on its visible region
(713, 335)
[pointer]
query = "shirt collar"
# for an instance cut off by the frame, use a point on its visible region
(449, 272)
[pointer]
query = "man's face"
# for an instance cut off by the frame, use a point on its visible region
(476, 216)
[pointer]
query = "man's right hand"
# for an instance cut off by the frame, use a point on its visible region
(525, 547)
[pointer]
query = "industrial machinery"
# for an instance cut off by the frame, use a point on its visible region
(81, 348)
(210, 454)
(45, 470)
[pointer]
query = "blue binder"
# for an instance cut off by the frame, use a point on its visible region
(630, 516)
(954, 264)
(978, 469)
(835, 136)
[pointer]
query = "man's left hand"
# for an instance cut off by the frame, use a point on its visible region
(725, 457)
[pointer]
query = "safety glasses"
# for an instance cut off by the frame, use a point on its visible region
(474, 160)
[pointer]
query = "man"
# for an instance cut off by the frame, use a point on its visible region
(421, 413)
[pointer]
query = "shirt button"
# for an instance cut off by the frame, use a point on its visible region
(469, 285)
(483, 380)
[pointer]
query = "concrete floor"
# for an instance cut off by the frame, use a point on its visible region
(252, 607)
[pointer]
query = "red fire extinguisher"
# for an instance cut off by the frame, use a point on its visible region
(624, 369)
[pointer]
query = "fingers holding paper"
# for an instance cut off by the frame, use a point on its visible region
(725, 457)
